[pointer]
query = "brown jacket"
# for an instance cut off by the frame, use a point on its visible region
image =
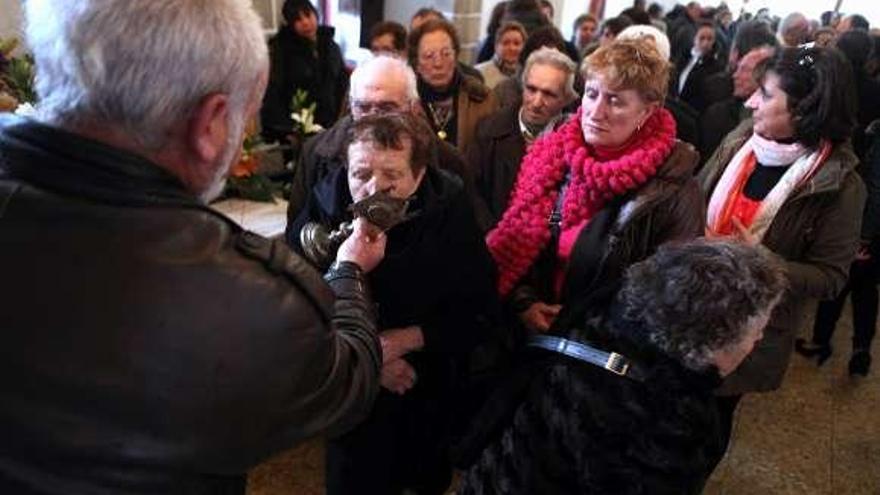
(475, 101)
(816, 232)
(669, 207)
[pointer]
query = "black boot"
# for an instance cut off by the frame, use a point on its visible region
(810, 349)
(860, 362)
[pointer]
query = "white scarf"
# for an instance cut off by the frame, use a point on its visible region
(775, 154)
(800, 171)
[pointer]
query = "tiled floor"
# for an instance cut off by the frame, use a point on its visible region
(818, 435)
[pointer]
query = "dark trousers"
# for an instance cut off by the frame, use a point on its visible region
(862, 284)
(726, 406)
(401, 445)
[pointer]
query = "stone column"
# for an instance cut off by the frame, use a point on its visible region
(466, 18)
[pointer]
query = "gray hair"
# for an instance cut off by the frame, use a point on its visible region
(691, 300)
(794, 24)
(554, 58)
(384, 65)
(143, 65)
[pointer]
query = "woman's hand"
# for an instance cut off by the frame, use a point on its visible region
(743, 234)
(397, 376)
(539, 316)
(398, 342)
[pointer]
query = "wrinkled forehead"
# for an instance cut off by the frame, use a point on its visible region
(379, 86)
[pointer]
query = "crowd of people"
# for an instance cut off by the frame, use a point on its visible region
(607, 241)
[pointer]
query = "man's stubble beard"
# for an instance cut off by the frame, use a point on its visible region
(224, 162)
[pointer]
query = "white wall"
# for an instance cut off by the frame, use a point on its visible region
(402, 10)
(11, 19)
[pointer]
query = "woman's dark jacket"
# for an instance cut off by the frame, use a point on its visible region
(298, 63)
(816, 232)
(436, 273)
(563, 426)
(629, 229)
(149, 344)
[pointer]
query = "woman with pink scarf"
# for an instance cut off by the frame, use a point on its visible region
(786, 179)
(598, 194)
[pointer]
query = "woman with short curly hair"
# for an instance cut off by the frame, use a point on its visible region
(646, 423)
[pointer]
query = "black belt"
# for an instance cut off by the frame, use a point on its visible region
(611, 361)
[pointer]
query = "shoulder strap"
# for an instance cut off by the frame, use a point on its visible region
(611, 361)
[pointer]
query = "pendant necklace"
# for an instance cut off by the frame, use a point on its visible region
(440, 115)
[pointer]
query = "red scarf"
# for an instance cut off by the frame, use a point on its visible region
(523, 231)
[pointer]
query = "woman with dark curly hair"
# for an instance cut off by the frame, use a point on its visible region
(623, 404)
(786, 179)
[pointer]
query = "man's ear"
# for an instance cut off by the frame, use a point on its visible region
(208, 128)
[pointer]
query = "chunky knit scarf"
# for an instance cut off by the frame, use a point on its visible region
(524, 232)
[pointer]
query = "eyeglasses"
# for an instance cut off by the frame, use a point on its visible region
(366, 107)
(444, 54)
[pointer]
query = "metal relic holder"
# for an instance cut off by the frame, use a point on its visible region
(320, 244)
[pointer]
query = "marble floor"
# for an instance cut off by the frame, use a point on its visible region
(819, 434)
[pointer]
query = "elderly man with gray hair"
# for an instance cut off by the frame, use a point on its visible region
(149, 344)
(794, 30)
(381, 85)
(501, 138)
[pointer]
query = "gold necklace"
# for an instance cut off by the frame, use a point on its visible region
(439, 123)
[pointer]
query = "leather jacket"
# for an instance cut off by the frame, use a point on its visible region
(149, 344)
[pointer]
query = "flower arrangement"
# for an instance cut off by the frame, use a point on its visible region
(16, 77)
(303, 114)
(247, 179)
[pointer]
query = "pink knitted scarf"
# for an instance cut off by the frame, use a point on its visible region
(523, 231)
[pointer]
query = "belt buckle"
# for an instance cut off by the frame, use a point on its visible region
(617, 364)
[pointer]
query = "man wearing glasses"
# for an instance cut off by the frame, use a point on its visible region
(381, 85)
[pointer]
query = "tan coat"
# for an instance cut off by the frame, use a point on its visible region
(475, 101)
(816, 232)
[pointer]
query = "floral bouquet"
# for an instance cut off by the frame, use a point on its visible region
(247, 178)
(16, 77)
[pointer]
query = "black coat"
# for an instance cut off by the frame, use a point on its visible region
(149, 344)
(668, 207)
(437, 273)
(868, 111)
(297, 63)
(693, 91)
(563, 426)
(717, 121)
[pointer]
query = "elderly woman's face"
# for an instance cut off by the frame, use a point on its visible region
(372, 169)
(770, 113)
(729, 358)
(611, 116)
(436, 63)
